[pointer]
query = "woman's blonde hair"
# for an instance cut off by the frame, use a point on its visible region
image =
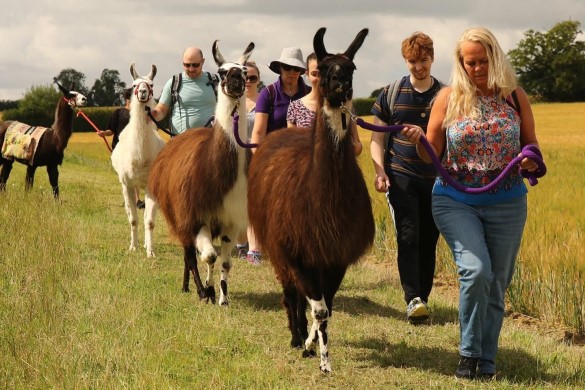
(501, 76)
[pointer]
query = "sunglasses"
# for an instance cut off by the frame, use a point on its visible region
(289, 68)
(192, 65)
(252, 79)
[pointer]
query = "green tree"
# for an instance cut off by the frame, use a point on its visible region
(551, 65)
(107, 89)
(37, 107)
(376, 92)
(68, 76)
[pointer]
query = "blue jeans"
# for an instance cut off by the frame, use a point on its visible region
(484, 241)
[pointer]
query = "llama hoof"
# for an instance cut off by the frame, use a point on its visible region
(132, 248)
(209, 295)
(296, 343)
(325, 367)
(150, 253)
(309, 353)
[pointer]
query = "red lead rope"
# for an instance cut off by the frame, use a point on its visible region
(94, 126)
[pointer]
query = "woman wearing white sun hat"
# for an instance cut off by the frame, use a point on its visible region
(272, 105)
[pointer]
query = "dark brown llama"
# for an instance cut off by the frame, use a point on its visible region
(51, 146)
(199, 182)
(309, 205)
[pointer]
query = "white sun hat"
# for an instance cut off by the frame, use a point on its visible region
(292, 56)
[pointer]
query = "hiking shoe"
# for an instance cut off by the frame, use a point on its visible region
(140, 204)
(417, 310)
(242, 250)
(466, 368)
(254, 257)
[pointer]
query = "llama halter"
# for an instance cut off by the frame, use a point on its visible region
(529, 151)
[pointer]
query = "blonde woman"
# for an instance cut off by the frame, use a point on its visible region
(478, 125)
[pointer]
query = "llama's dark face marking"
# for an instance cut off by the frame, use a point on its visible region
(232, 74)
(233, 79)
(337, 69)
(77, 99)
(143, 85)
(336, 80)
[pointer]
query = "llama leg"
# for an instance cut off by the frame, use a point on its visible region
(190, 258)
(319, 331)
(132, 213)
(203, 243)
(30, 177)
(5, 172)
(150, 210)
(226, 265)
(53, 172)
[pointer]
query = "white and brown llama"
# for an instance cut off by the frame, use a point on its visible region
(45, 147)
(138, 146)
(199, 181)
(310, 207)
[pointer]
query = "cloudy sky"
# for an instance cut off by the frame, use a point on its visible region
(39, 38)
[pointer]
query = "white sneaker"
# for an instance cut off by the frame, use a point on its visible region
(417, 310)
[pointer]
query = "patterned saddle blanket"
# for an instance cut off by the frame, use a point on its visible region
(21, 141)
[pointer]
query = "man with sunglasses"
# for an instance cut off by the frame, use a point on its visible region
(192, 101)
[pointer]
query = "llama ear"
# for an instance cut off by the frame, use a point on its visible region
(318, 45)
(219, 60)
(152, 73)
(133, 72)
(63, 89)
(247, 54)
(356, 44)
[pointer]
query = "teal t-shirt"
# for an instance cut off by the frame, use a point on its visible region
(196, 103)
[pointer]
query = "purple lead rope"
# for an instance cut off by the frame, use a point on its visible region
(529, 151)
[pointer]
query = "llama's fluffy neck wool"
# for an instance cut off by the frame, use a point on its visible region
(141, 130)
(224, 118)
(334, 120)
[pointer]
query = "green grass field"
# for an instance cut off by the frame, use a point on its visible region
(77, 310)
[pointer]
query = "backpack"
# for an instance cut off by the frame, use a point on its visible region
(213, 81)
(391, 99)
(516, 105)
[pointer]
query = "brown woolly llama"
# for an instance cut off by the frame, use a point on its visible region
(309, 204)
(199, 182)
(50, 147)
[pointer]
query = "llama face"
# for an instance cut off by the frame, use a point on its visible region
(336, 70)
(77, 99)
(232, 74)
(143, 89)
(336, 82)
(73, 98)
(143, 85)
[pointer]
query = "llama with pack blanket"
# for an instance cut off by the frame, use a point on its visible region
(199, 180)
(38, 147)
(310, 207)
(138, 146)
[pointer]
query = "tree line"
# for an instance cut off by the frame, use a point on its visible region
(550, 66)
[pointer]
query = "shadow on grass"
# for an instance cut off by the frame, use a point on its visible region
(514, 366)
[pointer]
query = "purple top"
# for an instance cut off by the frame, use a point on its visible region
(277, 119)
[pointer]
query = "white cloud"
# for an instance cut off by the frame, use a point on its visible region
(45, 37)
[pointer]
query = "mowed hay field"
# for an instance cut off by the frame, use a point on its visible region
(77, 310)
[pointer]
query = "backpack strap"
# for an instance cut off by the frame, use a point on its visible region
(175, 88)
(213, 81)
(391, 99)
(516, 104)
(271, 97)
